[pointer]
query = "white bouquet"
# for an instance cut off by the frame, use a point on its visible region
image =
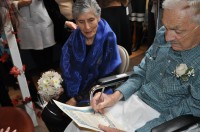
(49, 85)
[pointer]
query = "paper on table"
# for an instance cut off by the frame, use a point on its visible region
(85, 117)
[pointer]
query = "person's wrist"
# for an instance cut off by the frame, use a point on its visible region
(117, 95)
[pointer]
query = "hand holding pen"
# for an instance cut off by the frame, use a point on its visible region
(101, 101)
(100, 98)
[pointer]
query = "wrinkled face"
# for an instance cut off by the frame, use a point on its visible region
(181, 32)
(88, 23)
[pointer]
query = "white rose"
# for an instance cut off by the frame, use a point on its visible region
(181, 70)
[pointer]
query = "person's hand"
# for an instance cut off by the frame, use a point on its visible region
(70, 25)
(23, 3)
(109, 129)
(71, 102)
(60, 92)
(7, 130)
(101, 101)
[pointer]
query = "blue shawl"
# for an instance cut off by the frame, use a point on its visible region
(80, 71)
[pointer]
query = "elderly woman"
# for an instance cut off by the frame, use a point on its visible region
(90, 53)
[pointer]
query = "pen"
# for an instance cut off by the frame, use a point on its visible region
(100, 100)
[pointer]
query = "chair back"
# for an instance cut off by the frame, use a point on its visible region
(15, 118)
(114, 80)
(125, 60)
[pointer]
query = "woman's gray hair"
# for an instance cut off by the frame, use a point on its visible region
(83, 6)
(192, 5)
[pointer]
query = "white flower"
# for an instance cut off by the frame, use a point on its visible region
(56, 82)
(181, 70)
(49, 85)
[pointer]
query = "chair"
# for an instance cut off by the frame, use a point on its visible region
(114, 80)
(125, 60)
(15, 118)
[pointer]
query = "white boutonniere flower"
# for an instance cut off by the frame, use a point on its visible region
(49, 85)
(183, 72)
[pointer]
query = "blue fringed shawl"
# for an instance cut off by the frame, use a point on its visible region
(80, 71)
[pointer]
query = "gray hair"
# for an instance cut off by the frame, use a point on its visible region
(192, 5)
(83, 6)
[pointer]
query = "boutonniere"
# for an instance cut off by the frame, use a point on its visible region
(183, 72)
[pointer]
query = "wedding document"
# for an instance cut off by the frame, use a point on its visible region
(86, 118)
